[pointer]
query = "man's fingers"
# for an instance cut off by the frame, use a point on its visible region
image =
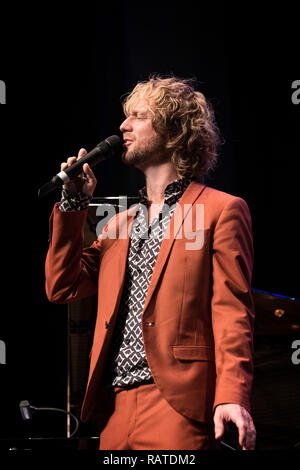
(85, 181)
(248, 443)
(90, 177)
(68, 163)
(247, 434)
(71, 160)
(87, 170)
(81, 152)
(242, 432)
(219, 429)
(241, 418)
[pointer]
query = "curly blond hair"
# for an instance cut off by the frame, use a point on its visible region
(185, 117)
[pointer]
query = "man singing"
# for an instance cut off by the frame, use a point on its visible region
(171, 361)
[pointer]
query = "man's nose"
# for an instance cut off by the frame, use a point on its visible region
(125, 126)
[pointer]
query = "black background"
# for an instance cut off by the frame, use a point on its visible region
(66, 70)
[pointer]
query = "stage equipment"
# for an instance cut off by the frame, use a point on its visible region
(276, 385)
(27, 410)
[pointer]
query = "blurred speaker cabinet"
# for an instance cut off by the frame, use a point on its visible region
(276, 385)
(82, 313)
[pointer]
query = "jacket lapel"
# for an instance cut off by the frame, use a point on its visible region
(118, 274)
(190, 195)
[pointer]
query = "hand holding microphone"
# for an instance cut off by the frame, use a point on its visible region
(108, 148)
(85, 182)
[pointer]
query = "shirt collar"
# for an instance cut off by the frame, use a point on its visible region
(173, 191)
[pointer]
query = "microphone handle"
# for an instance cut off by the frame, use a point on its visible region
(93, 157)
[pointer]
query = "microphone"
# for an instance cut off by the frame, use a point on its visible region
(26, 409)
(106, 149)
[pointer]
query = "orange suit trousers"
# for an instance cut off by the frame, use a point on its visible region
(143, 420)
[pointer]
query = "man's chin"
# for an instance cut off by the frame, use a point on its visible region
(125, 158)
(131, 158)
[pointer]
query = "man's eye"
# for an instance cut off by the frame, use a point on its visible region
(136, 116)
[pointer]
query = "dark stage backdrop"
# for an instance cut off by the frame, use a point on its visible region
(65, 73)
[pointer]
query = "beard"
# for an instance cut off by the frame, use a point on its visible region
(134, 157)
(155, 154)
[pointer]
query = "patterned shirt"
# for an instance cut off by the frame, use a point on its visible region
(127, 362)
(73, 202)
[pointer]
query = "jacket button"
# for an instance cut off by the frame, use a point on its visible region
(106, 325)
(149, 323)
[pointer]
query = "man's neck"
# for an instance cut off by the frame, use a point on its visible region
(157, 179)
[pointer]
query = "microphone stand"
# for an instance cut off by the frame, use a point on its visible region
(26, 411)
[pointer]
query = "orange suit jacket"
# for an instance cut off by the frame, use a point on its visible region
(197, 322)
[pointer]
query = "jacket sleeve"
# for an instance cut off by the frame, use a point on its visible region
(71, 271)
(232, 304)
